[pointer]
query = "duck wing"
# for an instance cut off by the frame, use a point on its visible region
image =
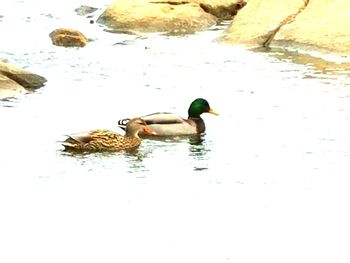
(94, 141)
(162, 118)
(169, 124)
(86, 137)
(75, 141)
(155, 118)
(83, 137)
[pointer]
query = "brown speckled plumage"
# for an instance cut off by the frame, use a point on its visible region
(105, 140)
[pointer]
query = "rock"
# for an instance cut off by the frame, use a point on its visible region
(152, 16)
(259, 20)
(23, 77)
(224, 10)
(68, 37)
(303, 25)
(324, 25)
(14, 80)
(85, 10)
(9, 87)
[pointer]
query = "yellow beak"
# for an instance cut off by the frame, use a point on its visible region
(213, 112)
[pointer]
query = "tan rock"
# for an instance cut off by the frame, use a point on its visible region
(14, 80)
(68, 37)
(222, 9)
(9, 87)
(259, 20)
(151, 16)
(23, 77)
(324, 25)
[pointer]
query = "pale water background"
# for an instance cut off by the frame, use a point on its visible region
(268, 182)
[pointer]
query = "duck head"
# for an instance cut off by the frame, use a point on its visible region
(137, 125)
(199, 106)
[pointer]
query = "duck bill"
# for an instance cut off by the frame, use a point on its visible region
(148, 131)
(211, 111)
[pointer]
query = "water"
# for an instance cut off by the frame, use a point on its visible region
(268, 182)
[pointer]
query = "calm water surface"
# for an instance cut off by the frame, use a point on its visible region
(268, 182)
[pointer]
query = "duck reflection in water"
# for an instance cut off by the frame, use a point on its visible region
(164, 149)
(198, 151)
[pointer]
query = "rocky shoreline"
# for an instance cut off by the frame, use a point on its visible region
(171, 17)
(317, 27)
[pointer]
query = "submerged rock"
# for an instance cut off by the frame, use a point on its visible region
(156, 16)
(14, 80)
(85, 10)
(68, 37)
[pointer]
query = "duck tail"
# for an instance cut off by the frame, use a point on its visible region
(122, 123)
(70, 144)
(69, 147)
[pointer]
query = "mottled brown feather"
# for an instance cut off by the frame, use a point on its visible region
(106, 140)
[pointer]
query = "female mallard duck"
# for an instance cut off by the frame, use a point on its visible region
(169, 124)
(105, 140)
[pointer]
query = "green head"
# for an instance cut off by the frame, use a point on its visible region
(199, 106)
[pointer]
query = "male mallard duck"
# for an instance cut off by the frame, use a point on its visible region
(105, 140)
(169, 124)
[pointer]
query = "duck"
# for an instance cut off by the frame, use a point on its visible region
(170, 124)
(108, 141)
